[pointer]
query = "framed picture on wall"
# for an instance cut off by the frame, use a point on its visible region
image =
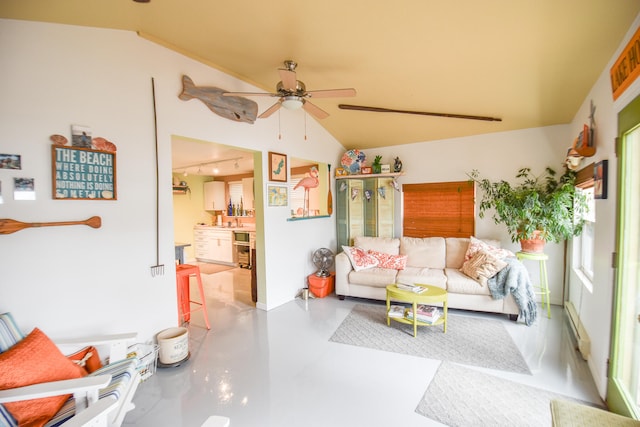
(277, 167)
(600, 172)
(277, 195)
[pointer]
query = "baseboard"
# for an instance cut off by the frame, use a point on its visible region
(579, 332)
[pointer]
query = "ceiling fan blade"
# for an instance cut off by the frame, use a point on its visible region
(249, 94)
(269, 111)
(422, 113)
(314, 110)
(331, 93)
(289, 80)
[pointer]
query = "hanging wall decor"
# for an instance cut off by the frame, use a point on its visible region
(600, 172)
(277, 167)
(82, 173)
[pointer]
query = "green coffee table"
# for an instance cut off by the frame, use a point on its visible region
(433, 294)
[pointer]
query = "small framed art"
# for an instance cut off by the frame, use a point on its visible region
(277, 195)
(277, 167)
(600, 172)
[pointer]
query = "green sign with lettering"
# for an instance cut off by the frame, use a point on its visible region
(83, 173)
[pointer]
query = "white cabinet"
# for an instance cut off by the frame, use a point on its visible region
(214, 196)
(247, 193)
(213, 245)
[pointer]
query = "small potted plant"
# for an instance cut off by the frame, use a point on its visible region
(376, 165)
(535, 210)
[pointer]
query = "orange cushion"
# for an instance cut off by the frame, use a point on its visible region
(35, 359)
(87, 360)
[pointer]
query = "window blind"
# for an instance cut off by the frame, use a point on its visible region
(443, 209)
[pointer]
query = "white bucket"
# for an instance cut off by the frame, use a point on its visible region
(174, 345)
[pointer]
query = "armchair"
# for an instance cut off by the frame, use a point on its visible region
(100, 399)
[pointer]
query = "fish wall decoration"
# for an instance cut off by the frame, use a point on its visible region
(234, 108)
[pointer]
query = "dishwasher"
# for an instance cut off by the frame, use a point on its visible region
(242, 247)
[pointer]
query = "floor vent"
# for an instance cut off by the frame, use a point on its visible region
(578, 330)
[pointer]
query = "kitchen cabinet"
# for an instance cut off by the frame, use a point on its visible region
(247, 193)
(213, 245)
(364, 207)
(214, 192)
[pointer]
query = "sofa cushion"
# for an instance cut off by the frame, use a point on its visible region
(394, 262)
(423, 276)
(456, 249)
(476, 245)
(460, 283)
(482, 266)
(424, 251)
(387, 245)
(373, 277)
(360, 259)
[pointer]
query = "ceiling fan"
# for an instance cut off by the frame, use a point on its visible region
(293, 94)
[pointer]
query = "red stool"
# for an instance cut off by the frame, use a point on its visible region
(183, 272)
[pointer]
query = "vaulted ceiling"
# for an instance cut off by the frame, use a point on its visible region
(529, 62)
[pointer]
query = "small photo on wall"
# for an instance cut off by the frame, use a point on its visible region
(80, 136)
(10, 161)
(24, 189)
(600, 173)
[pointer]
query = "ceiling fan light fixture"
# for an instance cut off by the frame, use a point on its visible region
(292, 102)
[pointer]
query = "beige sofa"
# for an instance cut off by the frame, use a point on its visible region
(432, 260)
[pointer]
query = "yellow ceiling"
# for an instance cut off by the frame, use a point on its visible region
(529, 62)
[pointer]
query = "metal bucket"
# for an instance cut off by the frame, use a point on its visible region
(174, 345)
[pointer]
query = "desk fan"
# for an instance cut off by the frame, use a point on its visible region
(323, 260)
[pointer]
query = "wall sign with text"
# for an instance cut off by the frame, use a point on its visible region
(83, 174)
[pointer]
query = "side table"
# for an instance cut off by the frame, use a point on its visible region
(543, 288)
(433, 294)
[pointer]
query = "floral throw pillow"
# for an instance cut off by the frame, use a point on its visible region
(482, 266)
(359, 258)
(394, 262)
(476, 245)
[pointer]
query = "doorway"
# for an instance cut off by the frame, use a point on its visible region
(197, 164)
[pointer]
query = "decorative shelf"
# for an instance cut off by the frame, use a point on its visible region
(304, 218)
(371, 175)
(178, 189)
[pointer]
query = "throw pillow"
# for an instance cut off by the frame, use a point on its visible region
(394, 262)
(87, 359)
(482, 266)
(476, 245)
(360, 259)
(34, 360)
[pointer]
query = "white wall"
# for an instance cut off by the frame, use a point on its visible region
(595, 308)
(81, 280)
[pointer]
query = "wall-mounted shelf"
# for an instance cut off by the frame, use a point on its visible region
(371, 175)
(178, 189)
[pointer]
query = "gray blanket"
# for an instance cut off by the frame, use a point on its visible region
(514, 279)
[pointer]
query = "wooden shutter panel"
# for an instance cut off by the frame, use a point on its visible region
(444, 209)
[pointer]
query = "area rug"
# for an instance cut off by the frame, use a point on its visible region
(460, 396)
(206, 268)
(469, 340)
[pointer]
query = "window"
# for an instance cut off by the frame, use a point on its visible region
(444, 209)
(235, 192)
(586, 239)
(583, 245)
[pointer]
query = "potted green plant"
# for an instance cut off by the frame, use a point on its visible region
(536, 209)
(376, 165)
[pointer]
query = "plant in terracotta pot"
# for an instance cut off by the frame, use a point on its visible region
(536, 209)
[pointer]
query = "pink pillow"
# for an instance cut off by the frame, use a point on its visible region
(394, 262)
(476, 245)
(359, 258)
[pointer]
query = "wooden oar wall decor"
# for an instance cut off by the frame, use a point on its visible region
(8, 226)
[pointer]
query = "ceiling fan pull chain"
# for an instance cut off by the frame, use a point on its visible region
(305, 126)
(279, 130)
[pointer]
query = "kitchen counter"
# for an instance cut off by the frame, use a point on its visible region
(224, 228)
